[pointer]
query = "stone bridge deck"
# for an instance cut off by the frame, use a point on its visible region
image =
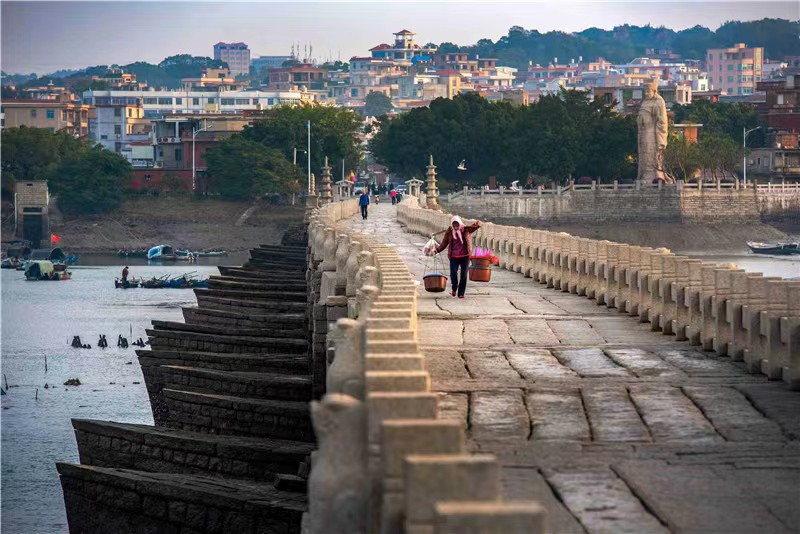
(613, 427)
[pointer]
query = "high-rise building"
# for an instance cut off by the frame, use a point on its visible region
(236, 55)
(735, 71)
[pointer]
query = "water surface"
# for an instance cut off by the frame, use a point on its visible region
(40, 318)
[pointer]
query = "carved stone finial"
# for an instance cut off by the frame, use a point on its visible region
(338, 489)
(346, 373)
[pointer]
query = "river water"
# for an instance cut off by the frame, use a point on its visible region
(40, 318)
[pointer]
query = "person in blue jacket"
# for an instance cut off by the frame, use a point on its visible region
(363, 201)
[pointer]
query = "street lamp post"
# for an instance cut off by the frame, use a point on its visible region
(310, 192)
(745, 132)
(196, 131)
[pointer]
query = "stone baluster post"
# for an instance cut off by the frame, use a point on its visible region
(740, 293)
(724, 292)
(351, 267)
(601, 272)
(338, 488)
(342, 253)
(347, 370)
(757, 297)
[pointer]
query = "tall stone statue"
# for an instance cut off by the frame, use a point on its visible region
(652, 122)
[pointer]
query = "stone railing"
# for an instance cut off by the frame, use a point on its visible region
(386, 462)
(745, 316)
(609, 203)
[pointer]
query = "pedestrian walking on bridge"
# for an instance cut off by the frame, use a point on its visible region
(363, 201)
(458, 242)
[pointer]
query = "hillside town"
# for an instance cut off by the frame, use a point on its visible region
(159, 130)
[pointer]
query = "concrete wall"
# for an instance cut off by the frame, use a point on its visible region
(745, 316)
(645, 205)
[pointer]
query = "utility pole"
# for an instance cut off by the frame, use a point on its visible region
(745, 132)
(196, 131)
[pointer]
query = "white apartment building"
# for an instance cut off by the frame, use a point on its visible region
(158, 103)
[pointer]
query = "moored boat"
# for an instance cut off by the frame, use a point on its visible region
(778, 249)
(44, 270)
(161, 253)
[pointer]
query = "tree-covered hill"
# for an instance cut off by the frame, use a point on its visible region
(623, 43)
(167, 73)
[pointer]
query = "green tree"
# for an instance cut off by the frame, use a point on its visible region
(728, 118)
(91, 181)
(377, 104)
(718, 152)
(242, 169)
(682, 159)
(557, 137)
(334, 133)
(85, 179)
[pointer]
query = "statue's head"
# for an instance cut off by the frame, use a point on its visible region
(651, 88)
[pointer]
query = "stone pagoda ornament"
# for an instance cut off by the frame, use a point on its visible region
(432, 193)
(325, 195)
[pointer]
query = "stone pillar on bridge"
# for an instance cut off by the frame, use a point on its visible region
(432, 193)
(325, 195)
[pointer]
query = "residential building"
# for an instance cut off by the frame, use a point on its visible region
(735, 71)
(52, 114)
(404, 51)
(171, 146)
(552, 71)
(368, 74)
(781, 110)
(236, 55)
(296, 77)
(459, 61)
(494, 77)
(116, 126)
(212, 80)
(158, 103)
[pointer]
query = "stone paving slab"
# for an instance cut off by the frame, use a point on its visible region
(437, 332)
(498, 415)
(693, 499)
(628, 430)
(576, 332)
(603, 502)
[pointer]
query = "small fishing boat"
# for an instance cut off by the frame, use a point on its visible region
(161, 253)
(10, 263)
(777, 249)
(128, 284)
(45, 271)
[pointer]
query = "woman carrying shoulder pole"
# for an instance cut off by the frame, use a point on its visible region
(458, 242)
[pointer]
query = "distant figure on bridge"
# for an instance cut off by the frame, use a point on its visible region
(458, 242)
(393, 194)
(363, 201)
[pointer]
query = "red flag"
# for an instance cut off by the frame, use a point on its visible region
(55, 238)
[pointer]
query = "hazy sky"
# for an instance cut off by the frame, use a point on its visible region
(44, 36)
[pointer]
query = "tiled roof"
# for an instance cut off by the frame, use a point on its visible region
(404, 32)
(382, 46)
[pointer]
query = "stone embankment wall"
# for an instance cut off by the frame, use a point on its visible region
(386, 461)
(745, 316)
(668, 204)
